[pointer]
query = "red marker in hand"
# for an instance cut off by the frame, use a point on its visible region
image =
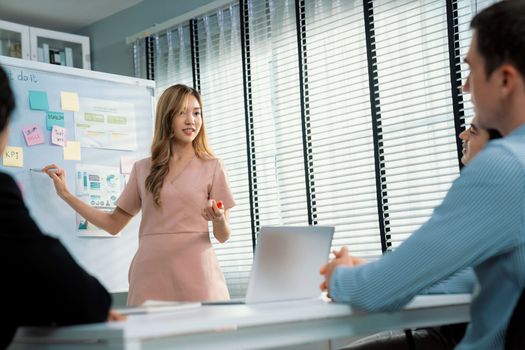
(219, 204)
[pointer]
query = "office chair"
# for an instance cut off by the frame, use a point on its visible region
(515, 338)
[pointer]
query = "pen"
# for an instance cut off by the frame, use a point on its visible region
(53, 170)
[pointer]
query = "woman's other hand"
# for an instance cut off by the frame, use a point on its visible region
(214, 211)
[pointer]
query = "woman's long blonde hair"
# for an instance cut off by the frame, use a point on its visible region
(172, 102)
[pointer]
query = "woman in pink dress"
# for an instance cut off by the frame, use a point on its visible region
(179, 189)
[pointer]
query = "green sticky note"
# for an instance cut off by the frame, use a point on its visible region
(38, 100)
(54, 118)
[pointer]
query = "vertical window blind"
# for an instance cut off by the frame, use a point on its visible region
(139, 58)
(466, 10)
(221, 81)
(341, 128)
(325, 111)
(276, 113)
(172, 58)
(416, 115)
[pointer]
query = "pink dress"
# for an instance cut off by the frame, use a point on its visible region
(175, 259)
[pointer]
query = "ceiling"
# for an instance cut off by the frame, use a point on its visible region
(61, 15)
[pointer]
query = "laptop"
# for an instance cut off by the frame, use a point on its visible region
(286, 264)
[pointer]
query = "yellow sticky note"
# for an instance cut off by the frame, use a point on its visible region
(72, 150)
(69, 101)
(13, 156)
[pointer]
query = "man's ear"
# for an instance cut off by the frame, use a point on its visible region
(509, 76)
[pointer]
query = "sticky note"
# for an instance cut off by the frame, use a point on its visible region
(13, 156)
(126, 164)
(38, 100)
(58, 136)
(69, 101)
(33, 135)
(54, 118)
(72, 150)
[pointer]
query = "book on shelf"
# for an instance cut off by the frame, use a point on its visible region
(15, 50)
(59, 57)
(156, 306)
(45, 49)
(10, 48)
(54, 56)
(69, 56)
(40, 54)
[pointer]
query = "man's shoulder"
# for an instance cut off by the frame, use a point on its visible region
(501, 161)
(507, 151)
(6, 179)
(8, 185)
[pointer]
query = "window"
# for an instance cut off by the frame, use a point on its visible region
(172, 57)
(221, 81)
(276, 113)
(466, 10)
(328, 112)
(341, 124)
(414, 99)
(139, 59)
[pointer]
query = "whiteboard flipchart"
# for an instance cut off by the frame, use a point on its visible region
(106, 257)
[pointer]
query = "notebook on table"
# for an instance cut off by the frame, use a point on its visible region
(286, 264)
(155, 306)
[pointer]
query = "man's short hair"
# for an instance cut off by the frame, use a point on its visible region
(500, 32)
(494, 134)
(7, 100)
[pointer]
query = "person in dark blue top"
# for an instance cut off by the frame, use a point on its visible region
(42, 285)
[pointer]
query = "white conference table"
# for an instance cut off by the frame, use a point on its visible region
(245, 326)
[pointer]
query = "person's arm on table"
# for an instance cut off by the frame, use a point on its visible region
(463, 231)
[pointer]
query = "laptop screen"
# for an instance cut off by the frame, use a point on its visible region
(287, 262)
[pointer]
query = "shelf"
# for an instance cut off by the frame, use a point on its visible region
(59, 48)
(44, 45)
(14, 40)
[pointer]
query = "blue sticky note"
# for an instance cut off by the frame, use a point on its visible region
(38, 100)
(54, 118)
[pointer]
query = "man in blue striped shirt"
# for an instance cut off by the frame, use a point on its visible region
(481, 222)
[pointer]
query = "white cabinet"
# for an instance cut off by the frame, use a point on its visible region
(14, 40)
(59, 48)
(44, 45)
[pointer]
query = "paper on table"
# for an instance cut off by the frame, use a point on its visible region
(154, 306)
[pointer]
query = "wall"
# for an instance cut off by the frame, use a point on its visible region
(109, 52)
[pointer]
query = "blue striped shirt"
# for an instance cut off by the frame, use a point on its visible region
(479, 224)
(462, 282)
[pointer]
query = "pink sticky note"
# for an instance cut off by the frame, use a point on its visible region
(58, 135)
(33, 135)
